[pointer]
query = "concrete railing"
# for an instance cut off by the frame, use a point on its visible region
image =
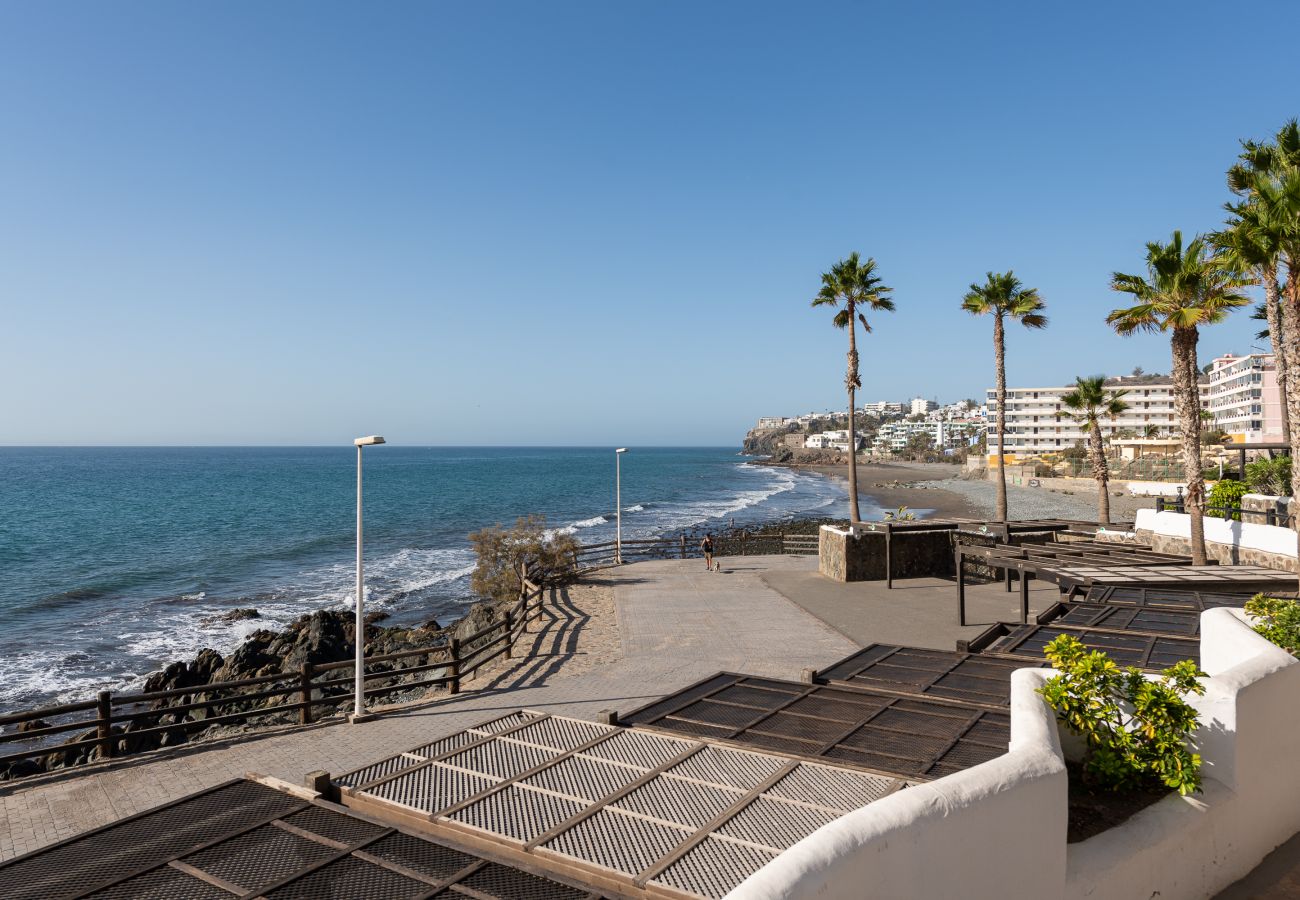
(999, 829)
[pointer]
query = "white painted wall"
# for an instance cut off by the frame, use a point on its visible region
(994, 830)
(998, 830)
(1246, 535)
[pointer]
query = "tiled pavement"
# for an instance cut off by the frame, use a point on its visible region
(678, 624)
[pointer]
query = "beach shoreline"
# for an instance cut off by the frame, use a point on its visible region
(890, 485)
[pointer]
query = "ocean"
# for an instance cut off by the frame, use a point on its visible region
(117, 561)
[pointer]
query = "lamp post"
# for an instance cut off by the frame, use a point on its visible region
(359, 706)
(618, 506)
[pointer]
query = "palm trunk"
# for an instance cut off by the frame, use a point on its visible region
(1273, 314)
(1290, 315)
(999, 355)
(1101, 472)
(1187, 402)
(850, 382)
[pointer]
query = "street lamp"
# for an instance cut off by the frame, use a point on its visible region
(618, 506)
(359, 706)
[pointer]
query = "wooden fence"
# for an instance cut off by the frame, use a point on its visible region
(304, 691)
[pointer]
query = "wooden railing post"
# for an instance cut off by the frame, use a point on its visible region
(304, 686)
(510, 635)
(453, 686)
(104, 726)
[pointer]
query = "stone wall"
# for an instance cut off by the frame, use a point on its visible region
(916, 554)
(1232, 543)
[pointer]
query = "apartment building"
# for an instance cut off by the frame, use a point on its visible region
(1033, 427)
(1242, 394)
(882, 408)
(895, 435)
(921, 406)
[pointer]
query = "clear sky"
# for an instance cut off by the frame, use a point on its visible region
(583, 223)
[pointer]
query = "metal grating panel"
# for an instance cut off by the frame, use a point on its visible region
(432, 788)
(724, 714)
(677, 800)
(775, 823)
(369, 773)
(501, 723)
(729, 767)
(1126, 649)
(348, 879)
(146, 840)
(636, 748)
(500, 757)
(518, 813)
(833, 788)
(163, 884)
(618, 841)
(427, 858)
(714, 868)
(451, 742)
(560, 733)
(511, 884)
(588, 779)
(259, 858)
(333, 826)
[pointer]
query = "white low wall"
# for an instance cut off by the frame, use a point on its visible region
(998, 830)
(995, 830)
(1242, 535)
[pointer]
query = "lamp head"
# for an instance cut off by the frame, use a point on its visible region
(621, 450)
(369, 440)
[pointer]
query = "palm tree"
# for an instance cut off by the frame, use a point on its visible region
(1003, 297)
(1184, 288)
(851, 286)
(1085, 405)
(1268, 175)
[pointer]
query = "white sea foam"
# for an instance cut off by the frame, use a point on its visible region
(637, 508)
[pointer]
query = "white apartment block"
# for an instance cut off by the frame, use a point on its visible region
(921, 406)
(1242, 394)
(882, 408)
(895, 435)
(774, 422)
(1033, 427)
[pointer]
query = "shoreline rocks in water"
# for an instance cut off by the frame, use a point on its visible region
(326, 636)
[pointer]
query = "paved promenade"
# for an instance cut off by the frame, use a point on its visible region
(677, 624)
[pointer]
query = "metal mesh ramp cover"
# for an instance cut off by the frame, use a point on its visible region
(653, 812)
(1171, 598)
(1153, 652)
(245, 839)
(930, 673)
(899, 736)
(1151, 620)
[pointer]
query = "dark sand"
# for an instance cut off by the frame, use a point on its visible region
(877, 485)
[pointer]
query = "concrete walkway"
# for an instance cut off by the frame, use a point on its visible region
(678, 624)
(917, 612)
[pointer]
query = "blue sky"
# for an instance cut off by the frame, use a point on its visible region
(582, 223)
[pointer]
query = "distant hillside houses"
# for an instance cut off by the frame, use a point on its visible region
(895, 436)
(831, 440)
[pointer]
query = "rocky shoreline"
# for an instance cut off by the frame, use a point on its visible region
(322, 637)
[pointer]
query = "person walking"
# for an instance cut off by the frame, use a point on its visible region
(706, 546)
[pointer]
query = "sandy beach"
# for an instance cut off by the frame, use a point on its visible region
(937, 487)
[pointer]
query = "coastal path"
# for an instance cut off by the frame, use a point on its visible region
(676, 624)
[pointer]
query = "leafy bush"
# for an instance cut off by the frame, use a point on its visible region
(1270, 476)
(1137, 729)
(1225, 494)
(501, 551)
(1278, 620)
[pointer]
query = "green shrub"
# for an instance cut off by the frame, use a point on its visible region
(1270, 476)
(1137, 729)
(1278, 620)
(502, 550)
(1225, 494)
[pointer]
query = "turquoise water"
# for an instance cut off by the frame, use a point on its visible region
(116, 561)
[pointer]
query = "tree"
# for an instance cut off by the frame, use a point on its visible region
(1184, 289)
(1268, 176)
(851, 286)
(1138, 371)
(1002, 296)
(1085, 405)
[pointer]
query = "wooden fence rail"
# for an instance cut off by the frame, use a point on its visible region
(304, 691)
